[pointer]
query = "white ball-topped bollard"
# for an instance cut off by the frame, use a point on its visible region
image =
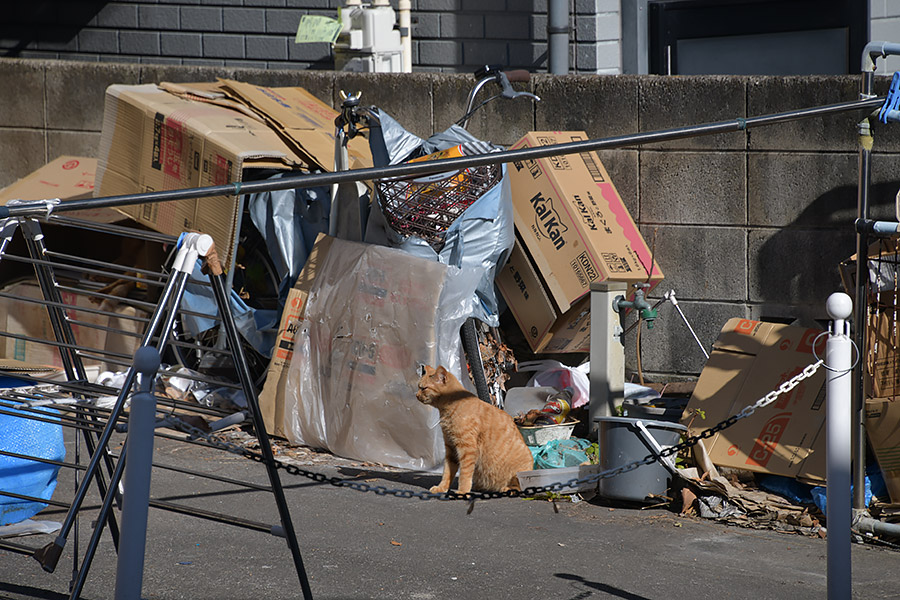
(839, 306)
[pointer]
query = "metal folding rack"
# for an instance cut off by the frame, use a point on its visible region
(153, 309)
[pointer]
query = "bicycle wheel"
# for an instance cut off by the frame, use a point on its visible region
(472, 348)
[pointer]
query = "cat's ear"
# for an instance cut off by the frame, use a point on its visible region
(440, 375)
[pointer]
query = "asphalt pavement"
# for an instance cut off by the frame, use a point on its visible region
(362, 545)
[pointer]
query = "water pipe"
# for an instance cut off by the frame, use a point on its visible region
(558, 37)
(871, 52)
(648, 313)
(875, 50)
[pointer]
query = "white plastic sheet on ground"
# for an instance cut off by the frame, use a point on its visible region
(373, 315)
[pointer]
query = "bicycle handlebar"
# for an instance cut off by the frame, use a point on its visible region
(520, 75)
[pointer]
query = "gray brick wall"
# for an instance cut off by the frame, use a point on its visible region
(448, 35)
(744, 224)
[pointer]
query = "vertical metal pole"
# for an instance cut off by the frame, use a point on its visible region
(607, 352)
(217, 279)
(558, 36)
(136, 502)
(838, 391)
(862, 279)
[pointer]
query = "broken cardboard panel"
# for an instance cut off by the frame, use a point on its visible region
(91, 330)
(153, 140)
(271, 399)
(573, 222)
(749, 360)
(883, 432)
(66, 178)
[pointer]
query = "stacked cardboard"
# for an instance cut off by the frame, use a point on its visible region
(198, 135)
(572, 229)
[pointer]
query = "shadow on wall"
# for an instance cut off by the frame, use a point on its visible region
(44, 24)
(798, 265)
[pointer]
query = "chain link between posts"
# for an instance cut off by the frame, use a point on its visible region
(556, 487)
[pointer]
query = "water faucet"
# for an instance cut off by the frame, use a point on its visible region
(648, 313)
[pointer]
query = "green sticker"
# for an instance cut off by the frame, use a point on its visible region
(314, 28)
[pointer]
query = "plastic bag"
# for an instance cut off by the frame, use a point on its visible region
(552, 373)
(561, 453)
(373, 314)
(482, 236)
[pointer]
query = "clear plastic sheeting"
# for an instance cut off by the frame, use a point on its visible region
(482, 236)
(373, 315)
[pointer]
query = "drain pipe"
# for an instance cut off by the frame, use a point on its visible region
(871, 52)
(558, 36)
(865, 524)
(403, 8)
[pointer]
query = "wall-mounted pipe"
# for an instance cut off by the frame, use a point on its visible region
(558, 37)
(875, 50)
(403, 8)
(871, 52)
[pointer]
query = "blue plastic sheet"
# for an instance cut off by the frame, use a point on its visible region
(28, 477)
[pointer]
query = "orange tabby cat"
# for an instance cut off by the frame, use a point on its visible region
(481, 440)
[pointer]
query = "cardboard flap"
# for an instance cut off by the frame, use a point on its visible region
(66, 178)
(300, 117)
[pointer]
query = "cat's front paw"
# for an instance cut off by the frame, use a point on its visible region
(439, 489)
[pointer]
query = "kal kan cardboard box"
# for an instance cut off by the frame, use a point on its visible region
(572, 228)
(883, 431)
(573, 222)
(66, 178)
(749, 360)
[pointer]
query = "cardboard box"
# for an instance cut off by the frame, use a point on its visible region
(30, 319)
(545, 327)
(883, 431)
(66, 178)
(271, 399)
(573, 222)
(153, 140)
(882, 359)
(749, 360)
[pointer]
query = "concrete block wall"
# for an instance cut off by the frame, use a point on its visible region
(745, 224)
(448, 35)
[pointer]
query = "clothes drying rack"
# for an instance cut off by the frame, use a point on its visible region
(84, 313)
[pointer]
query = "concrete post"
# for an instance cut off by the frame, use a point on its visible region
(607, 352)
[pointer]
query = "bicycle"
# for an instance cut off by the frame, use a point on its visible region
(428, 206)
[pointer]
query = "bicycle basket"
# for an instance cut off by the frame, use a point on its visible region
(427, 206)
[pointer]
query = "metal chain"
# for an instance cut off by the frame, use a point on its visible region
(380, 490)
